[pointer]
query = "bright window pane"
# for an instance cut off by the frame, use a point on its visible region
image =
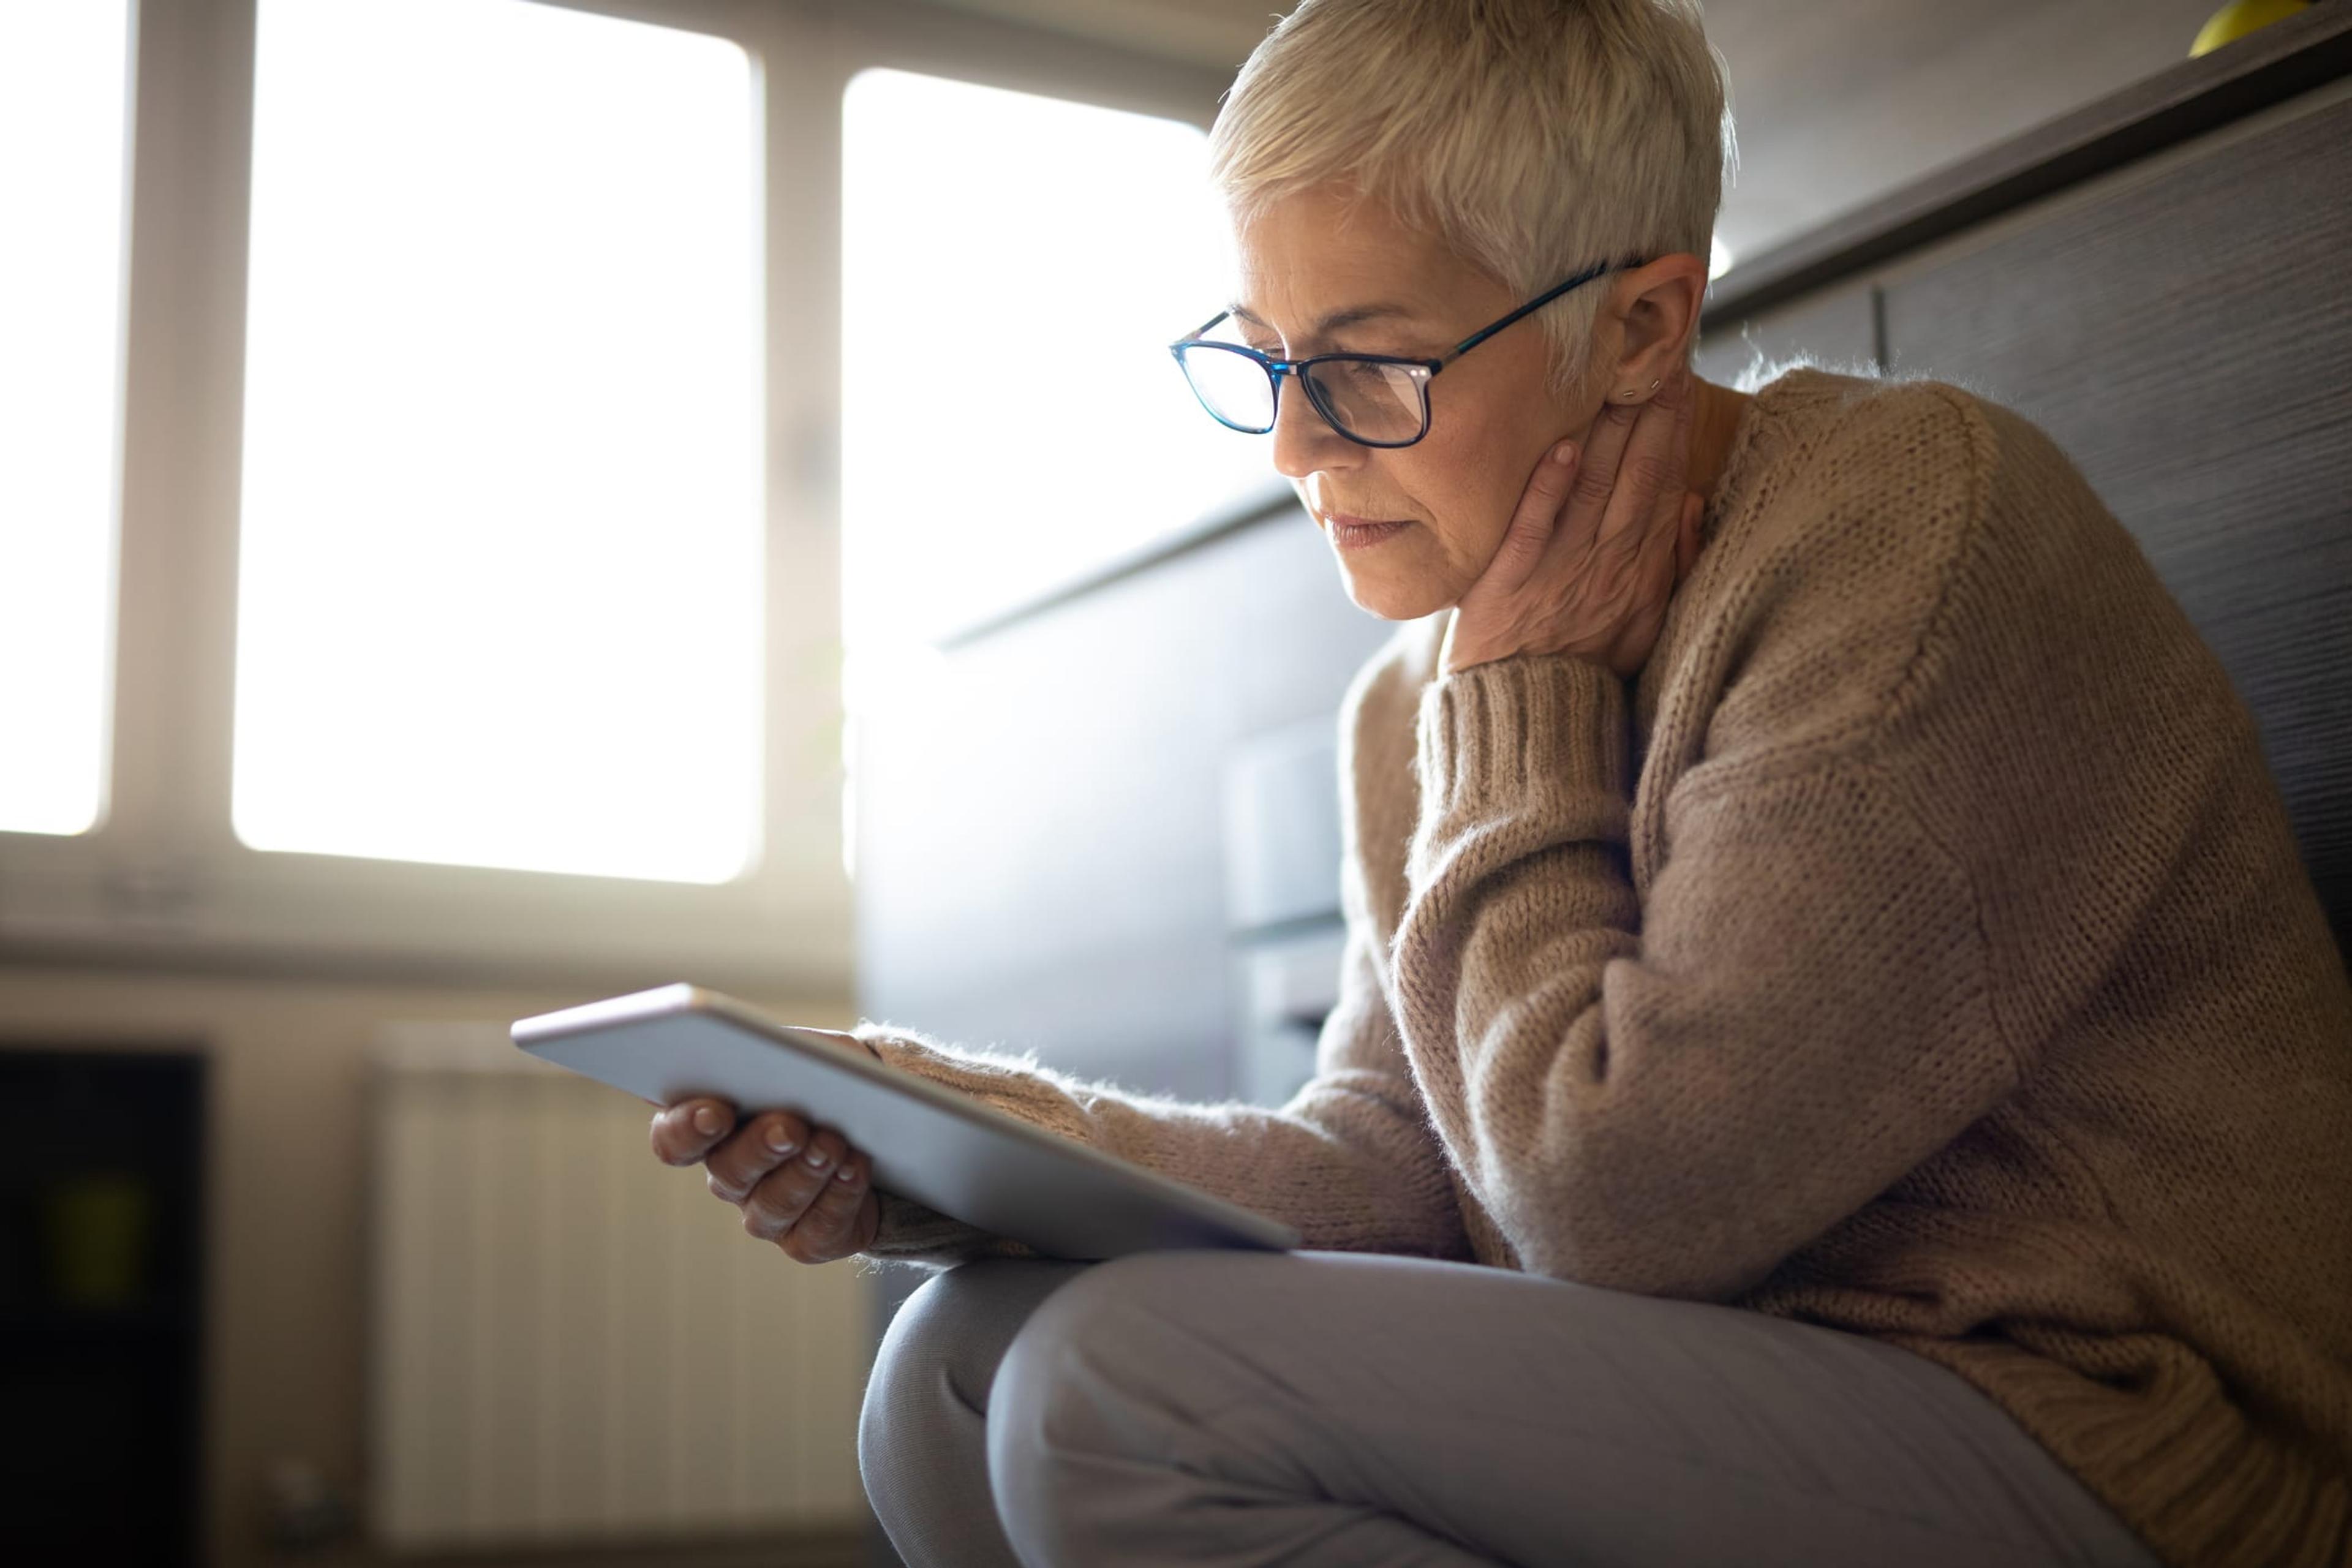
(1014, 268)
(501, 565)
(62, 83)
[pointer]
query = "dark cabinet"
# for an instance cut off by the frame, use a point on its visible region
(101, 1209)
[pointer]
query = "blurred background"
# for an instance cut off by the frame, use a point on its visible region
(504, 503)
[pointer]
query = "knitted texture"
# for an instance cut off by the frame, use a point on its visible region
(1918, 947)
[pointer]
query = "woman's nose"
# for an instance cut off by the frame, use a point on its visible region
(1304, 443)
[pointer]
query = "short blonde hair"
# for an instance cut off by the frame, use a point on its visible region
(1535, 137)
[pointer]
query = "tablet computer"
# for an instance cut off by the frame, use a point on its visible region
(947, 1150)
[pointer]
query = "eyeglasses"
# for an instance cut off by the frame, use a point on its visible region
(1373, 400)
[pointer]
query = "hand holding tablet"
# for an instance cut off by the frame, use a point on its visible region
(754, 1100)
(801, 1186)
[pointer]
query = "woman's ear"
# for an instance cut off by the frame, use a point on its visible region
(1657, 305)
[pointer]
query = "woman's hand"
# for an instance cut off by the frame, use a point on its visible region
(801, 1187)
(1600, 543)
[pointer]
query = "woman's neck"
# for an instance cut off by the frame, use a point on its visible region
(1715, 424)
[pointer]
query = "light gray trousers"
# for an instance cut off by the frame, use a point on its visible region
(1364, 1411)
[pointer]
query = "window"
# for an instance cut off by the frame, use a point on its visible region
(63, 70)
(500, 573)
(1014, 268)
(444, 399)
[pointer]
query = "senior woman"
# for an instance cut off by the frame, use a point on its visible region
(1837, 1062)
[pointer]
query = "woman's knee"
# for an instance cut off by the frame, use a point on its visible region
(1101, 1304)
(931, 1374)
(1099, 1314)
(1101, 1367)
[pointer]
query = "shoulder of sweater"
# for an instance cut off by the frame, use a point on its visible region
(1851, 509)
(1954, 477)
(1888, 423)
(1824, 412)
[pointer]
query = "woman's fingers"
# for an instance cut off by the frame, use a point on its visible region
(1646, 501)
(835, 1223)
(1596, 472)
(765, 1142)
(1533, 524)
(1661, 456)
(803, 1187)
(773, 1204)
(1613, 549)
(685, 1132)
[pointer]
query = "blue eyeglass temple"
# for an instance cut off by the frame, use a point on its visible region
(1488, 331)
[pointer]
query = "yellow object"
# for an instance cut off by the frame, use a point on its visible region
(2238, 18)
(98, 1227)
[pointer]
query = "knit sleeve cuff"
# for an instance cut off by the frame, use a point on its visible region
(1536, 739)
(910, 1232)
(1495, 732)
(1017, 1085)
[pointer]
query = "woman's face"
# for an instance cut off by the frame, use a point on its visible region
(1320, 275)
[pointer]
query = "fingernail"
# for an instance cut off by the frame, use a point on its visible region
(818, 1159)
(782, 1142)
(1564, 454)
(846, 1174)
(706, 1121)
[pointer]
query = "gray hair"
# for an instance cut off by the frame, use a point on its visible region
(1534, 137)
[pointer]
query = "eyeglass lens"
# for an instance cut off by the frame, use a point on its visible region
(1364, 399)
(1235, 388)
(1370, 401)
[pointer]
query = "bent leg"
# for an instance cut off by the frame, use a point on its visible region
(922, 1431)
(1352, 1409)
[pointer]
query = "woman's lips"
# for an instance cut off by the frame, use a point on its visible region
(1360, 532)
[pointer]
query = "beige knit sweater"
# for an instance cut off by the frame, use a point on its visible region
(1918, 947)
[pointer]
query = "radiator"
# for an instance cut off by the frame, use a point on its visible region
(569, 1342)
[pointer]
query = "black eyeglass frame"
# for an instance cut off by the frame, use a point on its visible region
(1276, 369)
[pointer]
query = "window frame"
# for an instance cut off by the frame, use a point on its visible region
(162, 878)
